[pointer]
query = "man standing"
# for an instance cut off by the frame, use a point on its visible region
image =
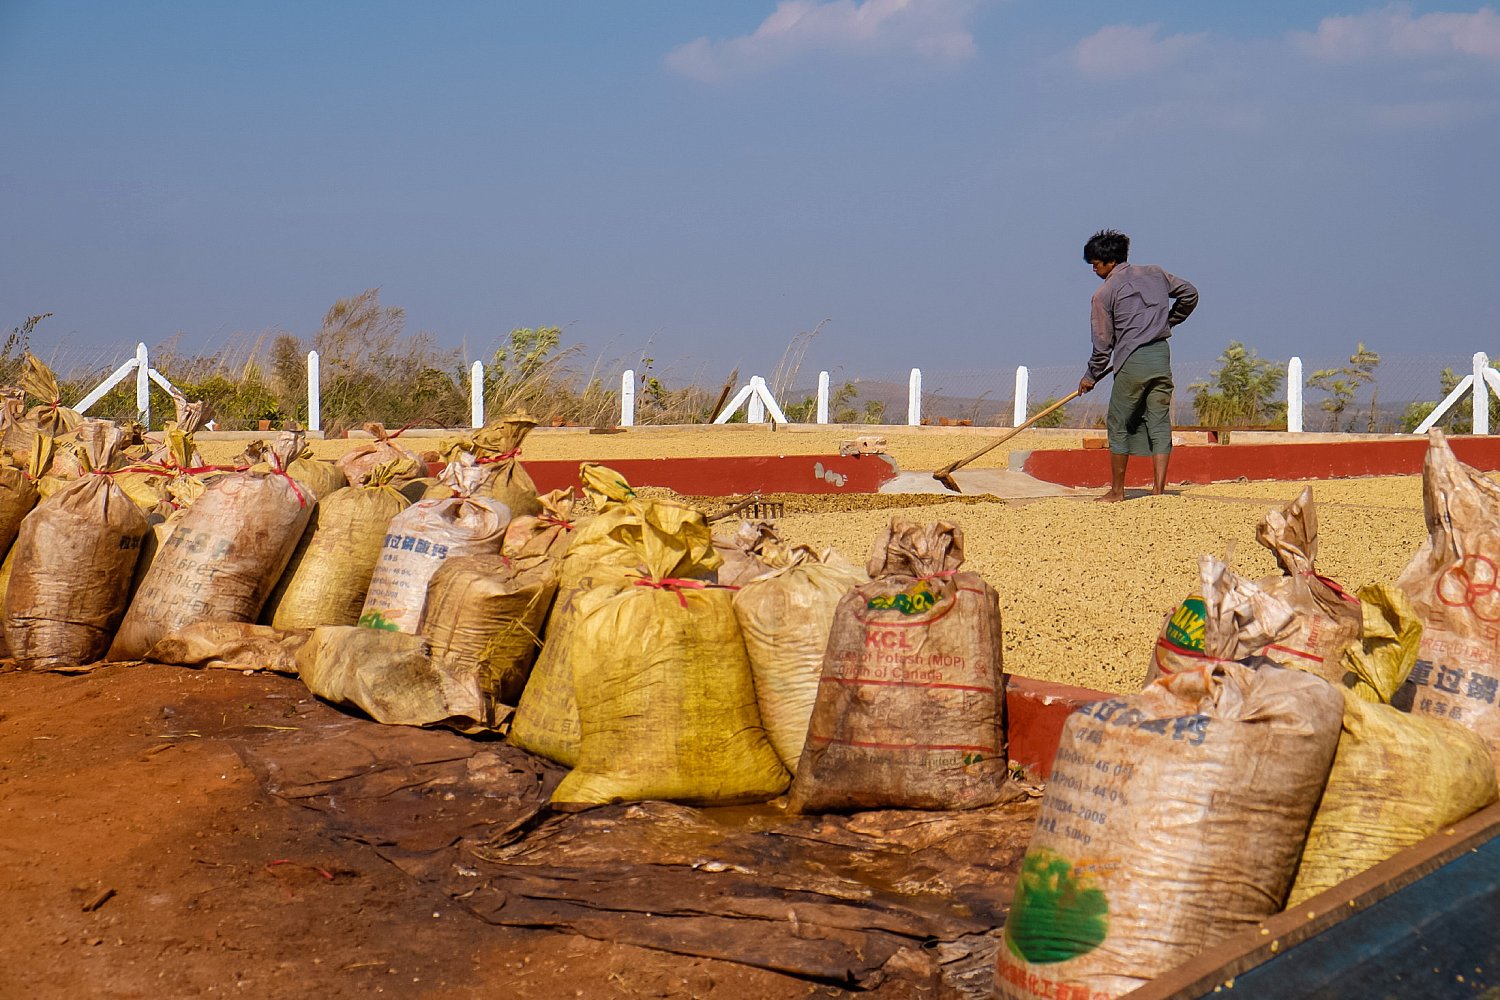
(1131, 318)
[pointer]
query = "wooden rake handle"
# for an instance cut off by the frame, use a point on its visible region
(952, 467)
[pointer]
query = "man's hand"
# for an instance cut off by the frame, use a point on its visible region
(1085, 384)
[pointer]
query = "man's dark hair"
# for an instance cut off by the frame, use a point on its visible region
(1109, 246)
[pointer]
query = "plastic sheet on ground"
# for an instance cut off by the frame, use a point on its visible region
(849, 899)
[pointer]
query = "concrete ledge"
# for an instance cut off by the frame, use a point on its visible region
(1034, 715)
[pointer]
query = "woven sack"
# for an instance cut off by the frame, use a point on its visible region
(742, 548)
(223, 558)
(910, 710)
(419, 539)
(488, 611)
(1397, 778)
(329, 574)
(786, 614)
(72, 563)
(359, 461)
(389, 676)
(666, 701)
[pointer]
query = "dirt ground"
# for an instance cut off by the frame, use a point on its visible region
(141, 857)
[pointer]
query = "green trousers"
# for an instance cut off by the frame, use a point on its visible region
(1139, 420)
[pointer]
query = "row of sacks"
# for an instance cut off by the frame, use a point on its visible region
(126, 544)
(1278, 750)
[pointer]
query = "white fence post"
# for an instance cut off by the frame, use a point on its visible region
(914, 398)
(314, 392)
(1294, 396)
(627, 398)
(755, 409)
(1481, 396)
(1023, 386)
(822, 397)
(142, 386)
(476, 395)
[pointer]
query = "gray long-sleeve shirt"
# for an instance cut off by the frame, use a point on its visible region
(1132, 309)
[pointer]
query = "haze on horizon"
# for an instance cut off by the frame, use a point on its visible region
(705, 181)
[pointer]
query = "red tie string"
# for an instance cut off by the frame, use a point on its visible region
(504, 456)
(677, 585)
(277, 470)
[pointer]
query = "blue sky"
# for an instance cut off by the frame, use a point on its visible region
(702, 181)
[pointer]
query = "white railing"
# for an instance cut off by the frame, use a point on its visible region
(760, 403)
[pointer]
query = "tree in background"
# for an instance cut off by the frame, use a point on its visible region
(1240, 390)
(1057, 418)
(1342, 383)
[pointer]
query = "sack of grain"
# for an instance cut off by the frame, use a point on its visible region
(1246, 620)
(15, 433)
(72, 563)
(18, 491)
(420, 538)
(1454, 586)
(605, 548)
(329, 574)
(497, 447)
(910, 710)
(224, 556)
(548, 532)
(231, 646)
(487, 612)
(357, 462)
(1397, 778)
(389, 676)
(786, 614)
(49, 416)
(666, 701)
(1328, 619)
(740, 547)
(1173, 818)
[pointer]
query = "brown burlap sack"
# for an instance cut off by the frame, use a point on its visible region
(786, 614)
(389, 676)
(420, 538)
(1454, 586)
(488, 611)
(231, 646)
(741, 547)
(18, 489)
(910, 710)
(1246, 619)
(548, 532)
(1328, 619)
(605, 549)
(357, 462)
(497, 447)
(15, 433)
(225, 555)
(72, 564)
(329, 574)
(49, 416)
(1173, 818)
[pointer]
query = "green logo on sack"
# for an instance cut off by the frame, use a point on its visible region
(1185, 627)
(913, 601)
(374, 619)
(1057, 914)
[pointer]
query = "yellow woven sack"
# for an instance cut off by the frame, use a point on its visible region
(330, 572)
(786, 615)
(1397, 778)
(665, 697)
(546, 721)
(497, 447)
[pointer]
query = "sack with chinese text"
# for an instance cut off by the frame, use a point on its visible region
(1397, 778)
(222, 559)
(420, 538)
(1173, 818)
(1454, 586)
(910, 709)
